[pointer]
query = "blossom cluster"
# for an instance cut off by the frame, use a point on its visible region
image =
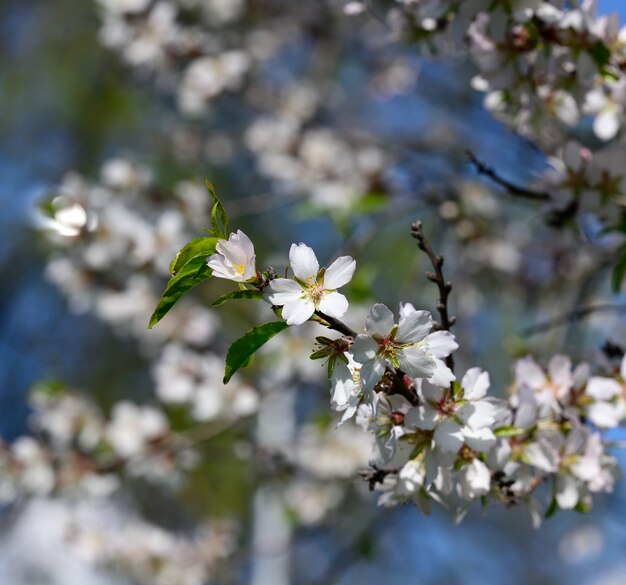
(437, 438)
(552, 70)
(74, 448)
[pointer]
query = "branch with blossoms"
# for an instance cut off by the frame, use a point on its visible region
(436, 438)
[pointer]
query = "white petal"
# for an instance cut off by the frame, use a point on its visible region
(603, 388)
(440, 344)
(303, 261)
(414, 362)
(477, 415)
(414, 326)
(622, 369)
(431, 392)
(605, 415)
(244, 242)
(529, 373)
(442, 375)
(371, 373)
(560, 370)
(606, 124)
(339, 273)
(231, 251)
(475, 384)
(284, 290)
(422, 417)
(448, 437)
(342, 385)
(379, 321)
(298, 311)
(542, 456)
(364, 349)
(480, 440)
(334, 305)
(567, 495)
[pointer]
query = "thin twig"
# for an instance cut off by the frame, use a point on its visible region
(337, 325)
(571, 317)
(446, 321)
(512, 188)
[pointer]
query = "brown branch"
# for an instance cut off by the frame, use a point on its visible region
(571, 317)
(512, 188)
(446, 321)
(336, 324)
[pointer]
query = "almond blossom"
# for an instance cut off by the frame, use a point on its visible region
(311, 289)
(235, 259)
(457, 418)
(408, 346)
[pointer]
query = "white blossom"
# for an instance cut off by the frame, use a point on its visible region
(235, 258)
(311, 289)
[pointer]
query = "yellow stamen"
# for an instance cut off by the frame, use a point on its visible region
(239, 268)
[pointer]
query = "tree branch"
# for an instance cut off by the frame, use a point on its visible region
(336, 324)
(446, 321)
(513, 189)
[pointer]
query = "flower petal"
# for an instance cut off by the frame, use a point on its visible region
(364, 349)
(477, 415)
(567, 495)
(414, 326)
(603, 388)
(334, 304)
(440, 344)
(303, 261)
(479, 439)
(443, 375)
(371, 373)
(448, 437)
(298, 311)
(284, 290)
(339, 273)
(379, 321)
(414, 362)
(605, 415)
(475, 384)
(422, 417)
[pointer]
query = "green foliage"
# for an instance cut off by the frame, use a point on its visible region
(197, 247)
(191, 274)
(552, 509)
(242, 351)
(219, 217)
(238, 295)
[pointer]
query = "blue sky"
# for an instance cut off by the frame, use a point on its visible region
(613, 6)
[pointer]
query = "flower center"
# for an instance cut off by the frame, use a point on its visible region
(446, 407)
(239, 268)
(315, 290)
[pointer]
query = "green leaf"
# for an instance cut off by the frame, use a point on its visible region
(237, 295)
(192, 273)
(197, 247)
(552, 509)
(241, 352)
(619, 272)
(219, 217)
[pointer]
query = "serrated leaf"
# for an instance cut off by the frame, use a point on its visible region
(196, 247)
(241, 352)
(219, 217)
(238, 295)
(619, 272)
(190, 275)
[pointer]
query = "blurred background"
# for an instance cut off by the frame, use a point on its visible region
(314, 126)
